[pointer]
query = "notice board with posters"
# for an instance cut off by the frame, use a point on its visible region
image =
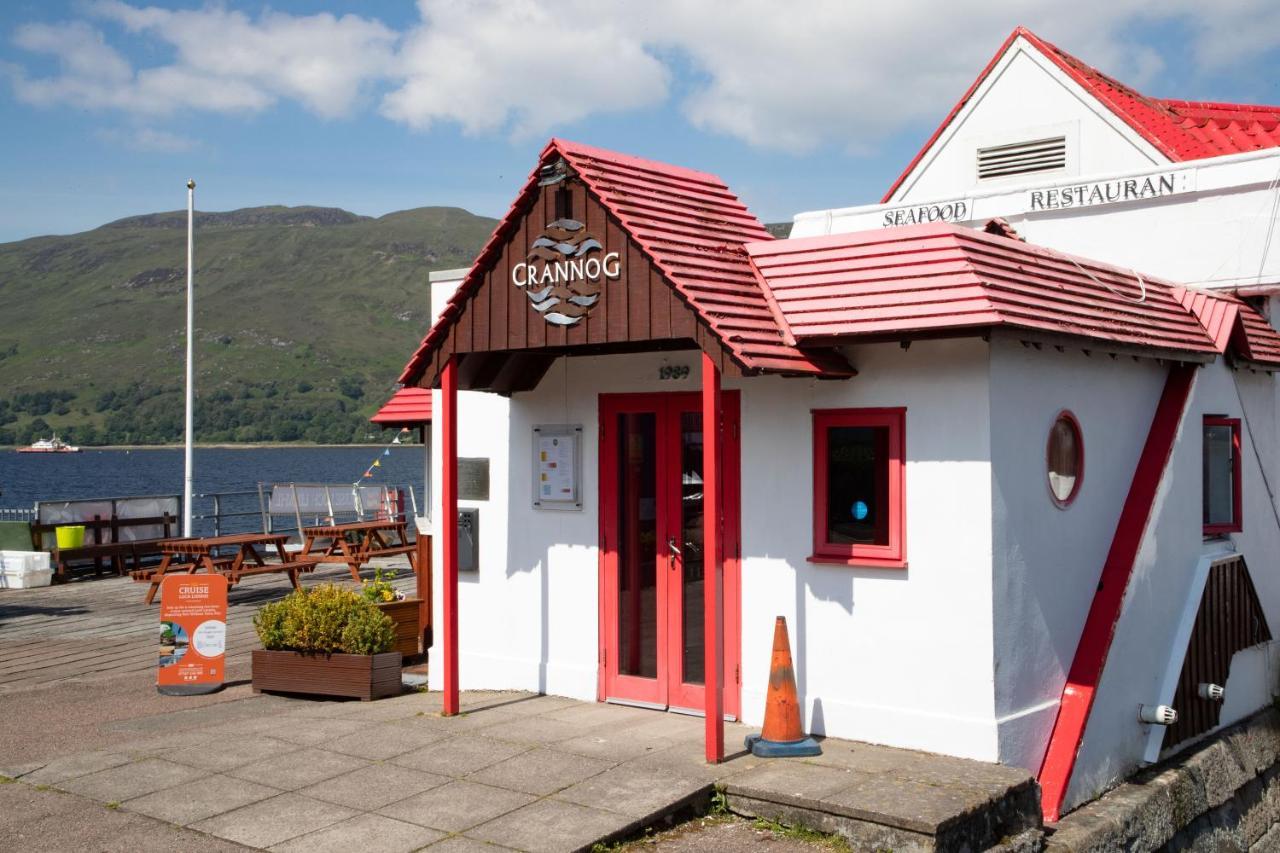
(193, 634)
(557, 466)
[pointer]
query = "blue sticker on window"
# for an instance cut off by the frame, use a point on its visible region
(860, 510)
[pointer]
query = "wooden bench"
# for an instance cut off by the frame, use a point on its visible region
(103, 548)
(293, 569)
(358, 542)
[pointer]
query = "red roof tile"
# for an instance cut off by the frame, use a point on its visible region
(692, 227)
(407, 407)
(895, 281)
(1181, 130)
(1233, 323)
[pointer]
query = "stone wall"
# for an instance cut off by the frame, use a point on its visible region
(1222, 794)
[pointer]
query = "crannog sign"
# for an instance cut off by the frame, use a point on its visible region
(565, 271)
(1016, 201)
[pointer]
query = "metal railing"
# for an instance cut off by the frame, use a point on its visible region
(296, 505)
(26, 514)
(216, 513)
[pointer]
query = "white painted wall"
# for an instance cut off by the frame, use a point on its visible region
(1114, 740)
(1026, 97)
(1047, 560)
(1212, 233)
(890, 656)
(882, 655)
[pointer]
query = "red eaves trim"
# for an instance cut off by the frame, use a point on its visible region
(1100, 625)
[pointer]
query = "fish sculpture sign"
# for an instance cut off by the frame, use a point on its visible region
(564, 272)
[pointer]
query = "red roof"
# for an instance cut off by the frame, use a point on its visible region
(407, 407)
(917, 279)
(1181, 130)
(692, 227)
(1230, 321)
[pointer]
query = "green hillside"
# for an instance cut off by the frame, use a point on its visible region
(304, 318)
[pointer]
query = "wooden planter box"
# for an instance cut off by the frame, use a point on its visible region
(361, 677)
(405, 615)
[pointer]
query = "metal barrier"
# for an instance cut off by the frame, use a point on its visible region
(17, 514)
(289, 507)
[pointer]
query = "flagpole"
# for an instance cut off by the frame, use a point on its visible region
(187, 475)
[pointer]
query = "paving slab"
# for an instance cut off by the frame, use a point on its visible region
(294, 770)
(551, 826)
(196, 801)
(540, 771)
(132, 780)
(47, 821)
(71, 766)
(275, 820)
(532, 730)
(462, 844)
(636, 792)
(231, 752)
(373, 787)
(365, 833)
(460, 756)
(380, 741)
(456, 806)
(310, 731)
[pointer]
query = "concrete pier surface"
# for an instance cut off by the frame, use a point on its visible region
(101, 760)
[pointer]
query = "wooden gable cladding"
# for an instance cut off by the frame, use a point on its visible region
(1230, 619)
(503, 344)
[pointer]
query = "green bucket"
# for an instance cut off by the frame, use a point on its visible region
(70, 536)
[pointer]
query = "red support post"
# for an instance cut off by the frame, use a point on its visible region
(1108, 600)
(448, 530)
(713, 549)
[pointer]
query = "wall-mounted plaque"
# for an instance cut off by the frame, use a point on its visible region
(473, 479)
(557, 466)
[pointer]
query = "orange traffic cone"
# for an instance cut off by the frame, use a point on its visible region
(782, 735)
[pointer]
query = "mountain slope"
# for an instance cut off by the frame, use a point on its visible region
(304, 317)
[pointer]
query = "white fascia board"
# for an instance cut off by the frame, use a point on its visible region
(448, 275)
(1233, 172)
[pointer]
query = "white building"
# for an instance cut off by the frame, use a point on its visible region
(907, 414)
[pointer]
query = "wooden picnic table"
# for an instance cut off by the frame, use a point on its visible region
(192, 555)
(358, 542)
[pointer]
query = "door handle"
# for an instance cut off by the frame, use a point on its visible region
(671, 543)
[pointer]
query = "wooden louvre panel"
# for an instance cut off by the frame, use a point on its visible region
(1023, 158)
(1230, 619)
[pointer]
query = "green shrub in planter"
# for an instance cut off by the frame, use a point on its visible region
(324, 619)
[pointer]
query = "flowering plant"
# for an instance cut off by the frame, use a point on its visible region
(380, 589)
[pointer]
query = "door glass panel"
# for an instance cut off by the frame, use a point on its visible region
(637, 544)
(692, 554)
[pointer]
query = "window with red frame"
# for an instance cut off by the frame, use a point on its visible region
(1221, 482)
(858, 487)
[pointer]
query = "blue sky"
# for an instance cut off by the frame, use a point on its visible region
(109, 106)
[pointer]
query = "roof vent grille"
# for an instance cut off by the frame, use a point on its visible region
(1022, 158)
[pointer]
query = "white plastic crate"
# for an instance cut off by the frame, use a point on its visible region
(24, 569)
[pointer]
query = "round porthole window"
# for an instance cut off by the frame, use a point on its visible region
(1065, 459)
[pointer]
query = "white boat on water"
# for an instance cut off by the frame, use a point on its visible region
(49, 445)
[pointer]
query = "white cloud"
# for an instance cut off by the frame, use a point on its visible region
(147, 139)
(524, 65)
(224, 61)
(790, 76)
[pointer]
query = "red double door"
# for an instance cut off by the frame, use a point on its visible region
(652, 609)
